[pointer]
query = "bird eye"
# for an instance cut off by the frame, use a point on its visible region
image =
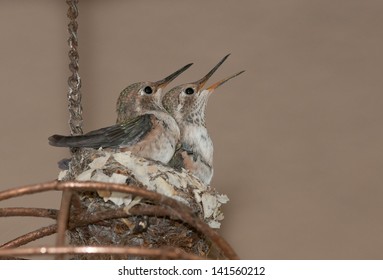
(148, 90)
(189, 91)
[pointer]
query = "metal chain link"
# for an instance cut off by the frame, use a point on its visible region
(74, 81)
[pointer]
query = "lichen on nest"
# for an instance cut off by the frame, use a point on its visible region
(122, 167)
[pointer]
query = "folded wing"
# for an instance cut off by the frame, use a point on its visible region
(119, 135)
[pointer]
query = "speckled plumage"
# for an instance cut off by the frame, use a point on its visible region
(195, 152)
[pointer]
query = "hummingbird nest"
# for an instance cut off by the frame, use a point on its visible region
(138, 209)
(147, 230)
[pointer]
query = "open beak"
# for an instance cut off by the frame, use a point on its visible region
(164, 82)
(203, 81)
(221, 82)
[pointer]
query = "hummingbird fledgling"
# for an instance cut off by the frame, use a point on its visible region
(143, 126)
(187, 104)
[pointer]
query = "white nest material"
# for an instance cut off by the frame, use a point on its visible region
(154, 177)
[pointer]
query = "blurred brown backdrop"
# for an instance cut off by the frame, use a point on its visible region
(298, 137)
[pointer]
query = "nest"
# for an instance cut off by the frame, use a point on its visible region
(118, 206)
(154, 231)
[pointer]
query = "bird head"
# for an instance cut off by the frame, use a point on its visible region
(187, 102)
(141, 97)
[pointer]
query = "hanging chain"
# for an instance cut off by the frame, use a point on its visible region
(74, 81)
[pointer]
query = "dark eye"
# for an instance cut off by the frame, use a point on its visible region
(189, 90)
(148, 90)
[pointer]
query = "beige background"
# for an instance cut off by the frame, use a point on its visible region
(298, 137)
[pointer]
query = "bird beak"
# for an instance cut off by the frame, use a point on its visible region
(221, 82)
(164, 82)
(202, 81)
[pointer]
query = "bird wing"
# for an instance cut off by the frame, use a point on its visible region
(124, 134)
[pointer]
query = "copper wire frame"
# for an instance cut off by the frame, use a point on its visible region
(163, 206)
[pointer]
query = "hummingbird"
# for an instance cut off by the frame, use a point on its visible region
(143, 126)
(187, 104)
